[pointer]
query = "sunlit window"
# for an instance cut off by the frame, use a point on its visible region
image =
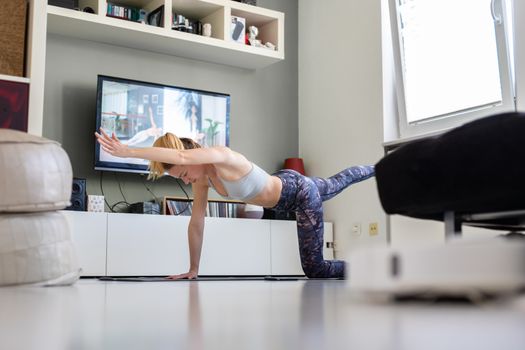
(452, 63)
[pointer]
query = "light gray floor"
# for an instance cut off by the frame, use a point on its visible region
(245, 315)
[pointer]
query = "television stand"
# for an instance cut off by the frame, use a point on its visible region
(122, 244)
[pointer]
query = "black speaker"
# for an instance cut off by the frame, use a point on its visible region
(78, 195)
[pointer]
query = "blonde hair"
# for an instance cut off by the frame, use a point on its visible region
(168, 140)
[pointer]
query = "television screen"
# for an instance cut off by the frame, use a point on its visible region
(139, 112)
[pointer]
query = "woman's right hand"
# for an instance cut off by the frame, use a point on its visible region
(112, 144)
(188, 275)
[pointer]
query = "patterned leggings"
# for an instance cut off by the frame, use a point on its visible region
(305, 196)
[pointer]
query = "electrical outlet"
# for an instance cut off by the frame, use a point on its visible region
(356, 228)
(373, 230)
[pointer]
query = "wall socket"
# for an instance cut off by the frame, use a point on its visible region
(356, 228)
(373, 230)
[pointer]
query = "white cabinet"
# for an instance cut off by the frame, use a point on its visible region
(236, 247)
(285, 248)
(146, 245)
(218, 48)
(88, 232)
(114, 244)
(149, 245)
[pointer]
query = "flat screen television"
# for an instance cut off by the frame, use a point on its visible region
(139, 112)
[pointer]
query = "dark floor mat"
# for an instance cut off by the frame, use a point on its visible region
(210, 278)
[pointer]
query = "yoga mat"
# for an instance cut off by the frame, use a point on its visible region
(212, 278)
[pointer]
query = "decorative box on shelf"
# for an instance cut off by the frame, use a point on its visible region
(237, 29)
(14, 103)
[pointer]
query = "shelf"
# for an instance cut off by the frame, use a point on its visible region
(16, 79)
(216, 208)
(113, 31)
(196, 9)
(185, 199)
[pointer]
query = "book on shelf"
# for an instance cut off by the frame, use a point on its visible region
(176, 207)
(126, 13)
(183, 207)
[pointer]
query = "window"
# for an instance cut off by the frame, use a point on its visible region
(452, 62)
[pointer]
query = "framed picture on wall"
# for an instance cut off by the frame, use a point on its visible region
(14, 100)
(156, 17)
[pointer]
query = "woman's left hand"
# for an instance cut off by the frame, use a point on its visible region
(112, 144)
(188, 275)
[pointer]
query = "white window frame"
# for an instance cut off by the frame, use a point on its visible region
(442, 123)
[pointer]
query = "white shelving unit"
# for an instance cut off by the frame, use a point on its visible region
(100, 28)
(217, 49)
(118, 244)
(36, 64)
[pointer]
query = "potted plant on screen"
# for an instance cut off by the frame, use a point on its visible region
(211, 131)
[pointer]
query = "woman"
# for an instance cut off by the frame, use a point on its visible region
(143, 135)
(234, 176)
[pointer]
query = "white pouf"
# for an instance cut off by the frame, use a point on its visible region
(35, 173)
(36, 248)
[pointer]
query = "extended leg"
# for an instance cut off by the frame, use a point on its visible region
(333, 185)
(310, 230)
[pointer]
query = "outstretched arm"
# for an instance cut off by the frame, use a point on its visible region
(214, 155)
(151, 120)
(195, 231)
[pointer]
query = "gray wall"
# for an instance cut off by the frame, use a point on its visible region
(341, 107)
(264, 103)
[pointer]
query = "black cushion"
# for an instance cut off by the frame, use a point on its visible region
(476, 168)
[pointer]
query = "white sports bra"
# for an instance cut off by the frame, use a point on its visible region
(248, 186)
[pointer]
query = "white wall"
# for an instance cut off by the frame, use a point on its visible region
(340, 107)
